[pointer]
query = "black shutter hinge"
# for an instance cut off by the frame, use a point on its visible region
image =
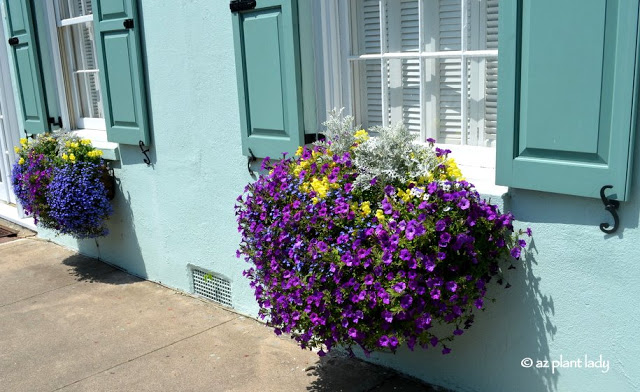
(242, 5)
(14, 41)
(52, 121)
(128, 23)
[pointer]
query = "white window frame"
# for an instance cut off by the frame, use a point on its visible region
(333, 37)
(92, 128)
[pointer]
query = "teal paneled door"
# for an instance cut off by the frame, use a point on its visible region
(567, 95)
(269, 81)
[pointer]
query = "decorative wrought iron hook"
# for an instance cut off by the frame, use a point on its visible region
(146, 157)
(611, 206)
(250, 159)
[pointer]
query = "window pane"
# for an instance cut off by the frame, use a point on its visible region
(81, 69)
(74, 8)
(369, 91)
(449, 28)
(89, 102)
(368, 27)
(449, 100)
(434, 96)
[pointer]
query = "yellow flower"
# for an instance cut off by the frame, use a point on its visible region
(380, 215)
(65, 157)
(72, 157)
(365, 207)
(67, 143)
(16, 149)
(452, 169)
(314, 200)
(405, 196)
(361, 135)
(299, 151)
(74, 145)
(23, 141)
(21, 161)
(85, 142)
(320, 187)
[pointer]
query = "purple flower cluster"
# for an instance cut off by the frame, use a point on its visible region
(61, 190)
(78, 200)
(376, 268)
(30, 181)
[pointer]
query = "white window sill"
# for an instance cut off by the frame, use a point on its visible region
(478, 166)
(99, 140)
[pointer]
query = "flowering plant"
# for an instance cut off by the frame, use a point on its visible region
(370, 241)
(57, 180)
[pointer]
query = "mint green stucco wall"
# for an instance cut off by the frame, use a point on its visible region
(577, 296)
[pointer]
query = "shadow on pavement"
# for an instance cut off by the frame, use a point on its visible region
(339, 372)
(87, 269)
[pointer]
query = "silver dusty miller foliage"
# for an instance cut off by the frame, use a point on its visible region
(390, 156)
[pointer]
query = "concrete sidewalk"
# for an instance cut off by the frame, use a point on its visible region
(72, 323)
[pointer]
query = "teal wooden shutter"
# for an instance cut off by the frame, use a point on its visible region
(567, 95)
(117, 32)
(23, 44)
(269, 81)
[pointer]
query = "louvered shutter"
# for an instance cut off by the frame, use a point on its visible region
(23, 44)
(371, 44)
(491, 72)
(568, 95)
(449, 73)
(269, 78)
(410, 41)
(89, 61)
(117, 33)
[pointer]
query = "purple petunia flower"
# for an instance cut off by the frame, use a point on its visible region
(441, 225)
(452, 286)
(515, 252)
(399, 287)
(406, 301)
(405, 255)
(322, 246)
(387, 316)
(383, 341)
(464, 204)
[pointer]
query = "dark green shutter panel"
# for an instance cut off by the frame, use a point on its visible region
(117, 32)
(268, 72)
(567, 95)
(23, 44)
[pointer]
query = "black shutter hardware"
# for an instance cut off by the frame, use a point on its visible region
(242, 5)
(14, 41)
(52, 121)
(128, 23)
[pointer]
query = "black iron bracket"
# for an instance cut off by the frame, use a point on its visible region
(14, 41)
(144, 151)
(128, 23)
(250, 159)
(611, 206)
(242, 5)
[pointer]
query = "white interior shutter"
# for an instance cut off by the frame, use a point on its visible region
(369, 15)
(491, 74)
(88, 61)
(410, 41)
(449, 73)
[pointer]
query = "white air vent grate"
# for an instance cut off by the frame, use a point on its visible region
(212, 287)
